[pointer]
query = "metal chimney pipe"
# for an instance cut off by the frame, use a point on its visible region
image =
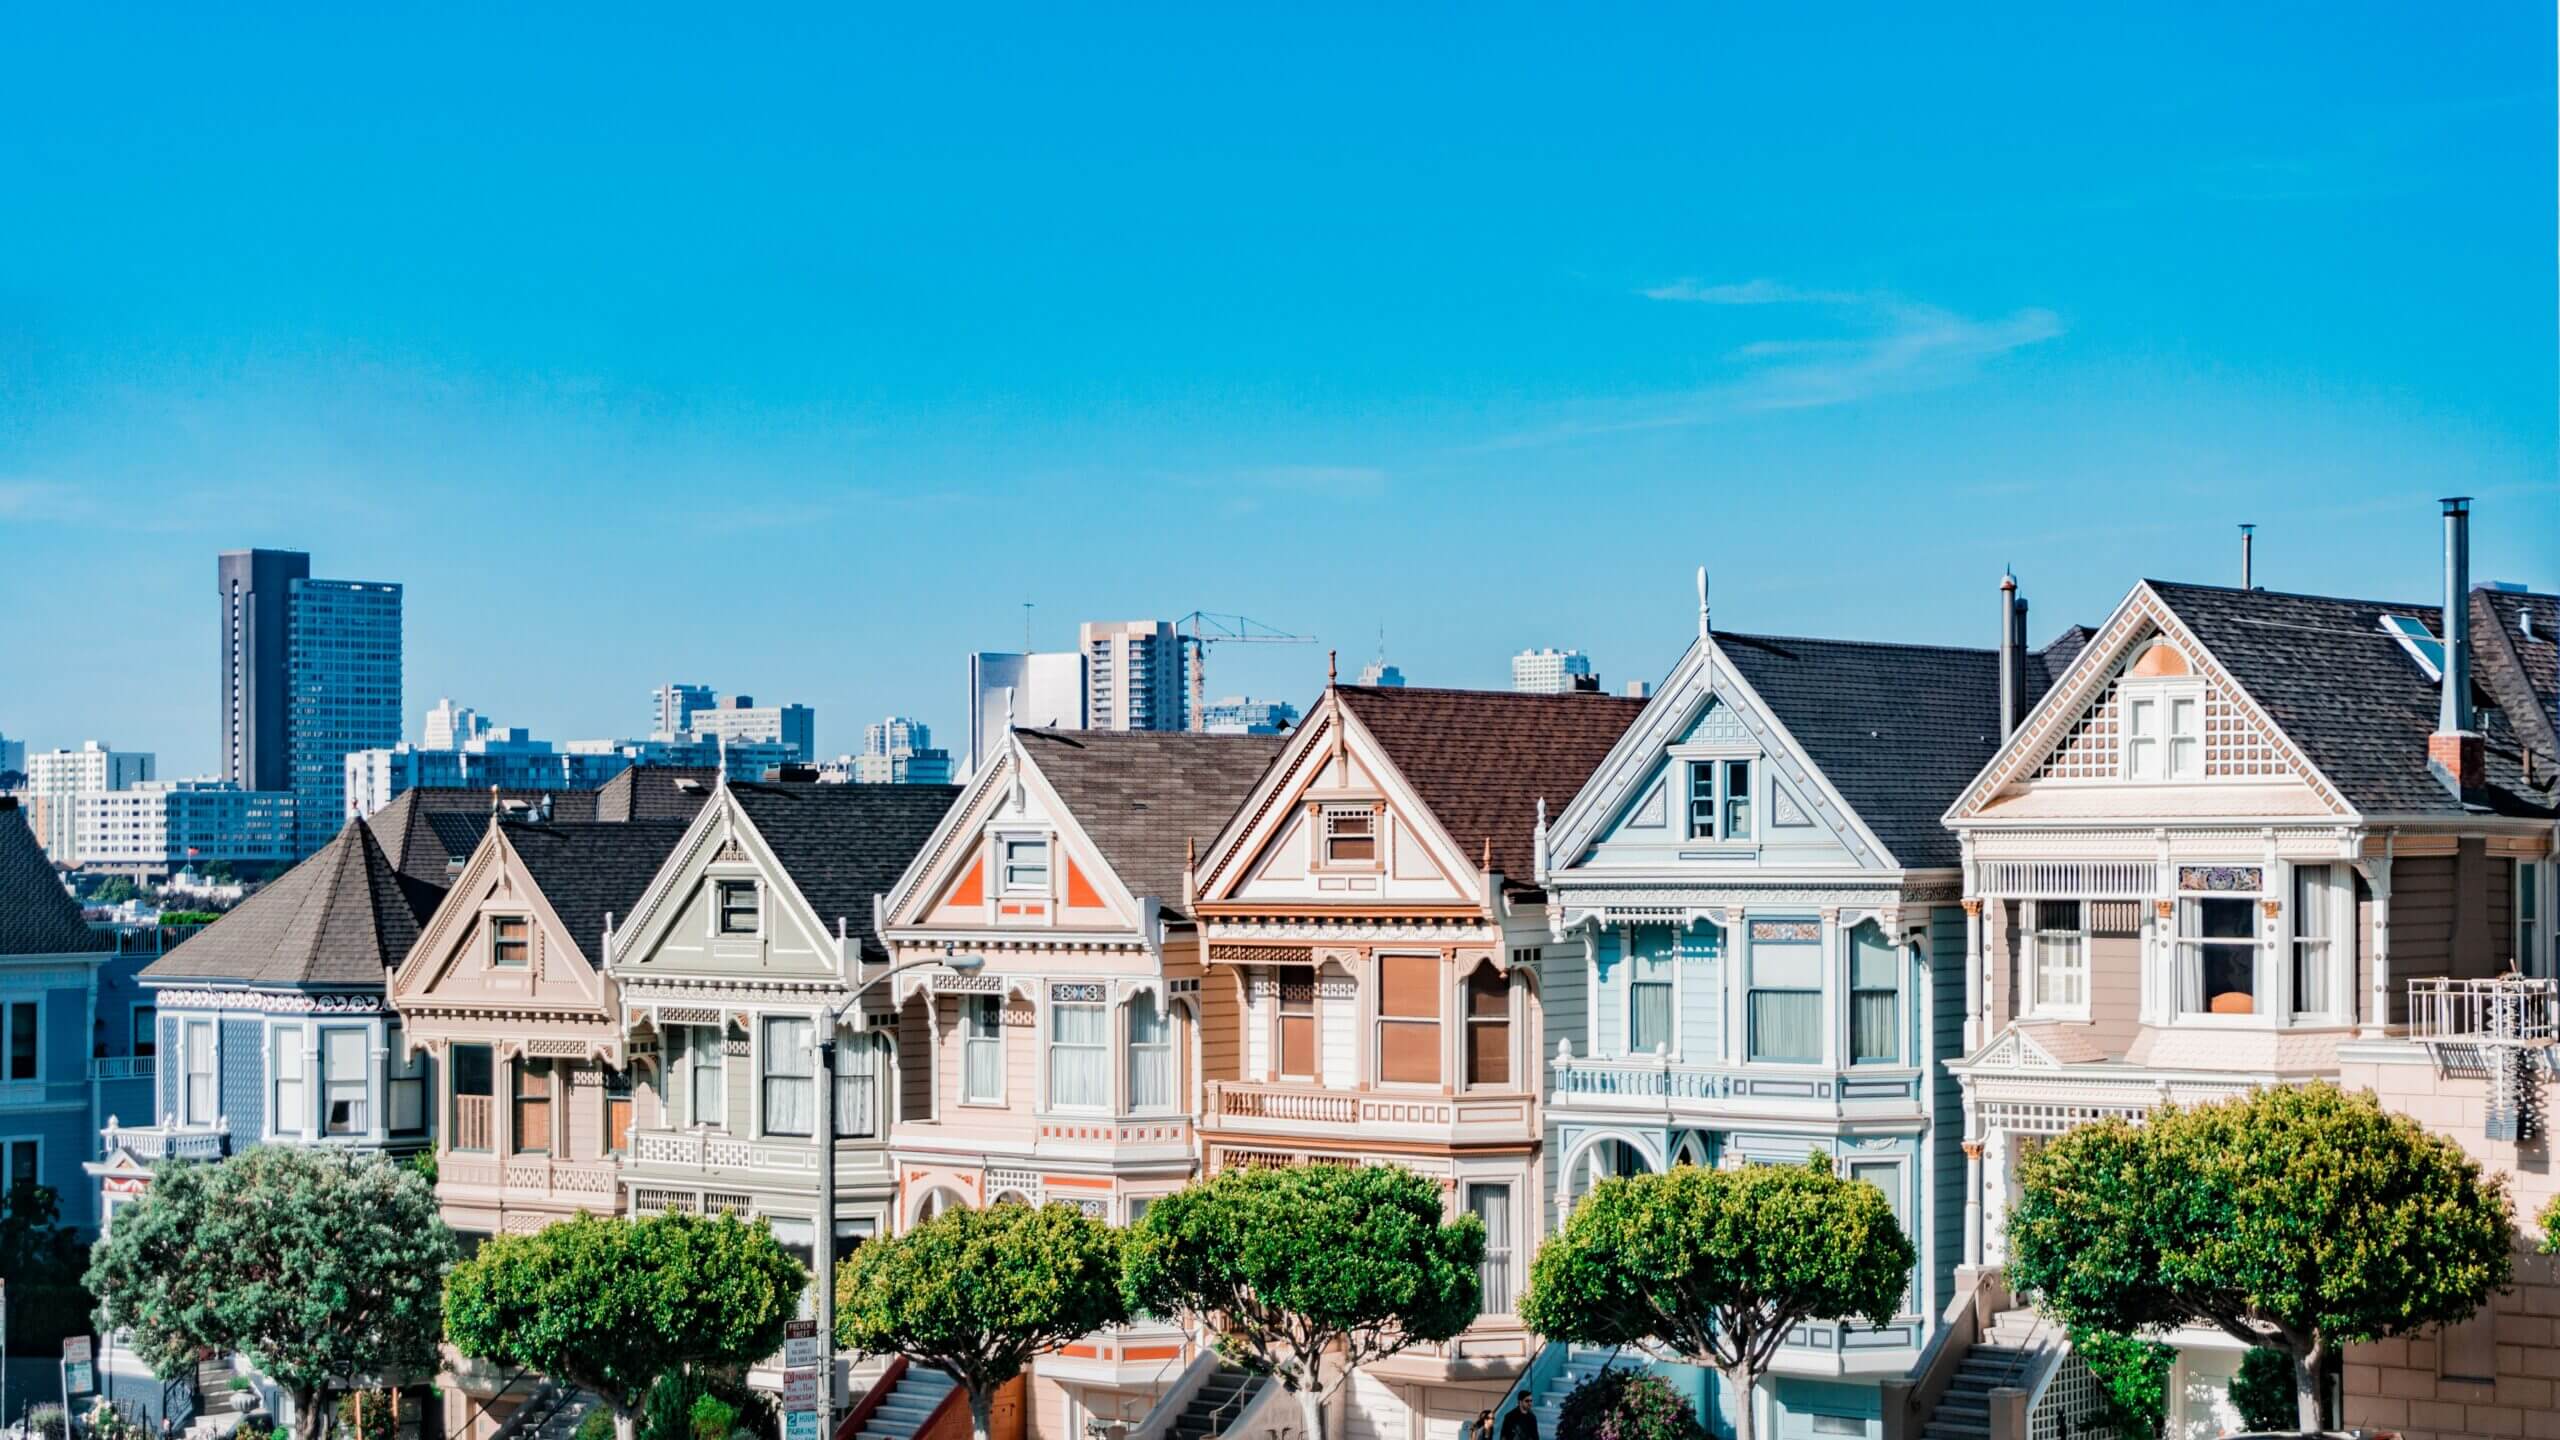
(2008, 654)
(2453, 714)
(2248, 535)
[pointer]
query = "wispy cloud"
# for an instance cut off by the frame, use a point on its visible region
(1881, 344)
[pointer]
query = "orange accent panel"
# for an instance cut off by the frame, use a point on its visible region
(1074, 1182)
(1080, 894)
(970, 890)
(1087, 1352)
(1150, 1352)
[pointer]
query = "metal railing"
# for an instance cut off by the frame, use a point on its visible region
(2508, 1010)
(124, 1067)
(502, 1392)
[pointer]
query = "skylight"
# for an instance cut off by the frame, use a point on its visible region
(2419, 641)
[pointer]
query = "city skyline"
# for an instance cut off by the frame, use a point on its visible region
(809, 418)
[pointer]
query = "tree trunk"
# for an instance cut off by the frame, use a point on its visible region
(1746, 1381)
(2306, 1384)
(310, 1414)
(982, 1407)
(626, 1426)
(1311, 1411)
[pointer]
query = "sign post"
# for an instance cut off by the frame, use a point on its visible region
(78, 1376)
(800, 1360)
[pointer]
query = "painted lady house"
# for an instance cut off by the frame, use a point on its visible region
(1763, 956)
(1067, 1063)
(1372, 917)
(741, 958)
(2245, 833)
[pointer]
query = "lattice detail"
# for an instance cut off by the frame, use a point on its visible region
(2023, 1118)
(729, 1200)
(2089, 751)
(1026, 1181)
(2073, 1406)
(2236, 746)
(656, 1202)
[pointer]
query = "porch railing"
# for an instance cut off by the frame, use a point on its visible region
(2509, 1010)
(474, 1122)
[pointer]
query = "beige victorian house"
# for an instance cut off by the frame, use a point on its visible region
(1068, 1066)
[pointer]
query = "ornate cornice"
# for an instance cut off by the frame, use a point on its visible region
(270, 1002)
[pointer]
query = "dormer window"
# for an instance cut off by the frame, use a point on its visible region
(510, 944)
(2163, 717)
(1026, 866)
(1350, 835)
(1720, 800)
(741, 907)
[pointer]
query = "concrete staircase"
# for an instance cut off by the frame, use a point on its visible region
(568, 1408)
(1579, 1365)
(909, 1404)
(1222, 1396)
(2011, 1353)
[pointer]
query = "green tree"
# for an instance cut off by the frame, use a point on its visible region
(2262, 1389)
(2133, 1378)
(41, 1263)
(976, 1294)
(1718, 1265)
(1625, 1404)
(323, 1268)
(609, 1304)
(2298, 1218)
(1308, 1273)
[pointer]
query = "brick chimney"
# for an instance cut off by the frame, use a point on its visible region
(2454, 750)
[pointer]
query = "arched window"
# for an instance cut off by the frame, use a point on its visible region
(1488, 1028)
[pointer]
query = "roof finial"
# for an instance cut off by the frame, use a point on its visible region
(720, 740)
(1487, 864)
(1331, 673)
(1702, 603)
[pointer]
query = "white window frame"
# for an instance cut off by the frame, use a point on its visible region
(721, 888)
(694, 1065)
(329, 1084)
(1899, 1196)
(2529, 902)
(196, 1037)
(1007, 864)
(971, 1006)
(1164, 1052)
(2336, 944)
(2187, 957)
(1896, 961)
(1280, 1014)
(804, 1054)
(300, 1124)
(2165, 696)
(1379, 1020)
(1050, 1045)
(1366, 812)
(398, 1071)
(1719, 800)
(2034, 932)
(1499, 1250)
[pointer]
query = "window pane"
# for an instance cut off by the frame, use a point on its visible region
(1787, 966)
(1298, 1046)
(22, 1041)
(1079, 1075)
(1150, 1056)
(344, 1050)
(1872, 964)
(1488, 993)
(982, 1049)
(1489, 1052)
(1026, 864)
(1786, 1025)
(1409, 986)
(1409, 1052)
(146, 1030)
(1491, 1204)
(1737, 799)
(532, 1132)
(790, 1070)
(1874, 1031)
(858, 1086)
(738, 907)
(1648, 1017)
(1702, 802)
(1350, 835)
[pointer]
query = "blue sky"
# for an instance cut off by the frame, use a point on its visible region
(793, 352)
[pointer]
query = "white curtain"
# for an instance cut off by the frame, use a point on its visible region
(2314, 925)
(342, 1054)
(291, 1103)
(1492, 1205)
(790, 1068)
(1079, 1078)
(1786, 1002)
(982, 1051)
(1649, 1017)
(858, 1086)
(1150, 1056)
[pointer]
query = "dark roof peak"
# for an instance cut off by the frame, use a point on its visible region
(37, 916)
(339, 919)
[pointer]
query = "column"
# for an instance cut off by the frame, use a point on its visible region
(1972, 1193)
(1977, 972)
(2377, 874)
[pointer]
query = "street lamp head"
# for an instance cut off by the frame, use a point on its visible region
(966, 964)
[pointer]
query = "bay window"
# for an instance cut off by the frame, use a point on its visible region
(2317, 890)
(982, 1050)
(289, 1081)
(1785, 1000)
(1079, 1049)
(1496, 1290)
(1875, 997)
(198, 1095)
(473, 1096)
(2058, 958)
(346, 1080)
(529, 1132)
(1150, 1055)
(1409, 1019)
(1488, 1029)
(1297, 997)
(2217, 948)
(790, 1070)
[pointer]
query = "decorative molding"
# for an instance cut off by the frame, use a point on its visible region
(1785, 930)
(270, 1002)
(1078, 992)
(1262, 954)
(2241, 879)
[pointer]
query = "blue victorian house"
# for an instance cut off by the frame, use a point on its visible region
(54, 1039)
(1773, 953)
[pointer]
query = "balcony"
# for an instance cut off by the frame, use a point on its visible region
(1350, 1117)
(528, 1180)
(148, 1143)
(708, 1152)
(1659, 1088)
(124, 1067)
(2510, 1010)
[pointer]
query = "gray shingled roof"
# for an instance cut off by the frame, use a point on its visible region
(1145, 796)
(2350, 697)
(844, 844)
(336, 920)
(590, 869)
(424, 847)
(37, 917)
(2517, 638)
(656, 792)
(1898, 730)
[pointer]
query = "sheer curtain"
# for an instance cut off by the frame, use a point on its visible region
(1875, 993)
(1649, 1017)
(982, 1051)
(1150, 1056)
(858, 1086)
(1079, 1078)
(1786, 1002)
(790, 1076)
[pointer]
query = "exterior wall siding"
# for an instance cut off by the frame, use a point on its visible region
(1946, 1111)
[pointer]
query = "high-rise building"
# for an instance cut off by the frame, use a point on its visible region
(345, 677)
(255, 590)
(450, 726)
(13, 756)
(58, 778)
(1132, 674)
(895, 751)
(1548, 672)
(157, 827)
(1241, 715)
(310, 674)
(671, 707)
(1379, 672)
(1045, 690)
(738, 717)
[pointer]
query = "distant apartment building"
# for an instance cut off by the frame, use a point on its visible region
(737, 718)
(158, 827)
(671, 707)
(1046, 690)
(56, 779)
(310, 673)
(13, 756)
(895, 751)
(1133, 675)
(1242, 715)
(449, 726)
(1549, 672)
(1380, 673)
(509, 758)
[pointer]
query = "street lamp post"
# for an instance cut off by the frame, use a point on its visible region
(822, 1240)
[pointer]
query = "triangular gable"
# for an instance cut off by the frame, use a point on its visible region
(671, 934)
(2012, 1049)
(2071, 735)
(1266, 852)
(1703, 701)
(948, 884)
(444, 970)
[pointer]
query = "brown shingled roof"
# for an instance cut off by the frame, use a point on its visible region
(1483, 759)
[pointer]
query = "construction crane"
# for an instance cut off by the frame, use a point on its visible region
(1201, 629)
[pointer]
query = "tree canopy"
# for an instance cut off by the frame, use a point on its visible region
(611, 1304)
(1718, 1265)
(1307, 1273)
(2296, 1218)
(41, 1263)
(977, 1293)
(321, 1267)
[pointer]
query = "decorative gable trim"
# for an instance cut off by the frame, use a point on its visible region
(912, 899)
(2250, 738)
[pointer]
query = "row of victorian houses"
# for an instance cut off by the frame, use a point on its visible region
(1911, 907)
